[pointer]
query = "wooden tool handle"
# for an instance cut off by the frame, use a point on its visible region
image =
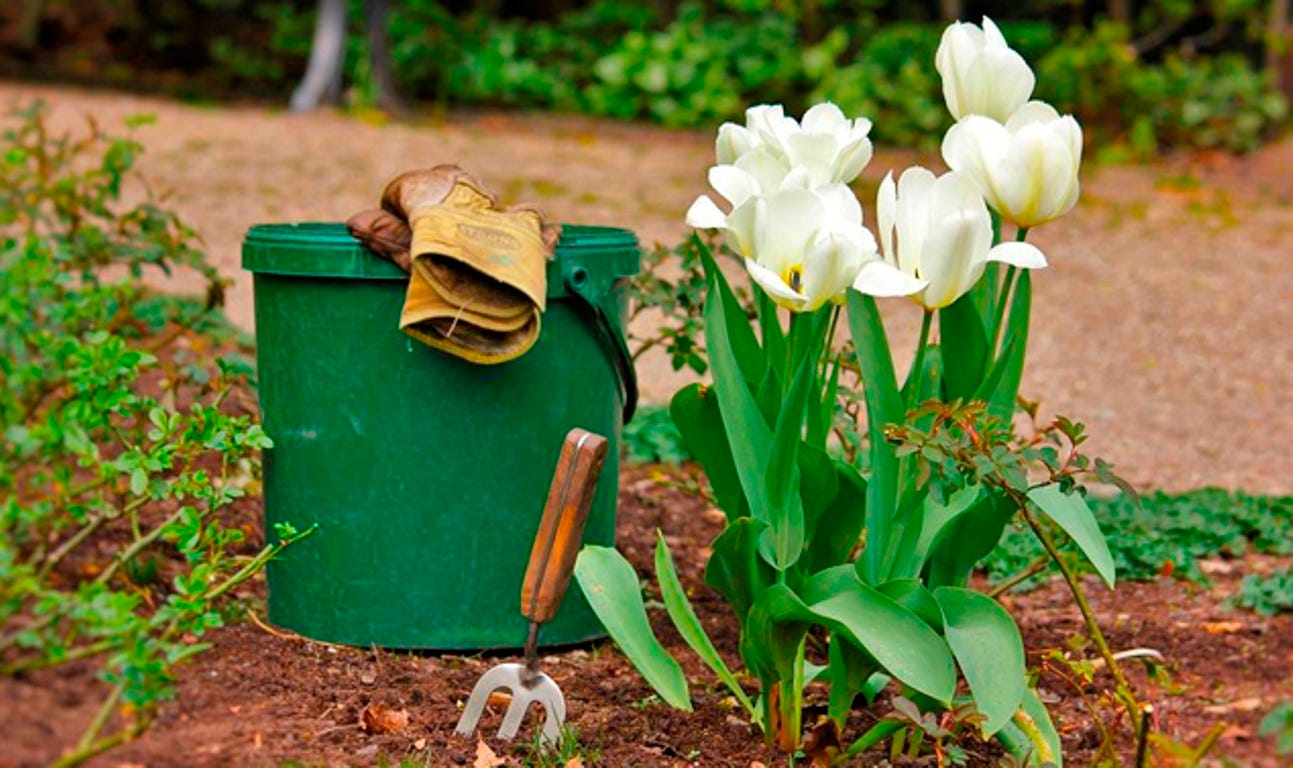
(561, 531)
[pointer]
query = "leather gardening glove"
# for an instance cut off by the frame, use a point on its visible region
(383, 233)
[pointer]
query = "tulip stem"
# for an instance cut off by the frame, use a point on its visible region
(917, 373)
(1003, 299)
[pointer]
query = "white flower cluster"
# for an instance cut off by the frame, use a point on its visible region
(799, 226)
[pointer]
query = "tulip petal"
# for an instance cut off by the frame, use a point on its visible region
(785, 226)
(880, 278)
(814, 151)
(1023, 255)
(852, 159)
(830, 267)
(886, 201)
(913, 215)
(765, 167)
(742, 225)
(774, 286)
(951, 260)
(825, 117)
(733, 141)
(705, 214)
(733, 183)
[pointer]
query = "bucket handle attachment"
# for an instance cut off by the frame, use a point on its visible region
(609, 335)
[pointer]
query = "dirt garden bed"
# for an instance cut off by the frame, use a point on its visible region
(260, 697)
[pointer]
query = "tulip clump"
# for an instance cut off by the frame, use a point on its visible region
(873, 562)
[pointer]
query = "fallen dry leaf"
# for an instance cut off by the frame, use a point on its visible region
(420, 744)
(499, 699)
(1223, 627)
(378, 718)
(575, 762)
(1239, 705)
(485, 757)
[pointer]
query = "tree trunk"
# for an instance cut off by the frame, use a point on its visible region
(951, 10)
(1120, 11)
(26, 35)
(322, 81)
(379, 56)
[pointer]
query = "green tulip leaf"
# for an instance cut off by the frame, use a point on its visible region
(735, 568)
(1030, 736)
(988, 649)
(785, 506)
(748, 433)
(900, 641)
(611, 586)
(687, 623)
(884, 406)
(964, 344)
(966, 539)
(1002, 401)
(1070, 512)
(695, 413)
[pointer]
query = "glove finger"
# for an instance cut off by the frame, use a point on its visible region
(383, 233)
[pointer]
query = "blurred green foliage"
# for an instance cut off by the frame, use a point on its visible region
(1172, 74)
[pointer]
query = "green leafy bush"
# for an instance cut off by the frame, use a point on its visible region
(120, 453)
(696, 70)
(1167, 534)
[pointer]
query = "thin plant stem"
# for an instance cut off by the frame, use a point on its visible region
(1034, 568)
(1124, 688)
(1007, 287)
(915, 378)
(101, 717)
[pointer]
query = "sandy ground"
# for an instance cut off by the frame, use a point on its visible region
(1163, 323)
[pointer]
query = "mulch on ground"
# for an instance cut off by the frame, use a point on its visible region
(261, 697)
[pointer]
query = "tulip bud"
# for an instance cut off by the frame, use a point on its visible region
(981, 74)
(1027, 169)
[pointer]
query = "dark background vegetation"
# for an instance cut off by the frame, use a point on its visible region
(1147, 74)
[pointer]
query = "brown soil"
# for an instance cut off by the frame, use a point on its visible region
(1162, 322)
(264, 698)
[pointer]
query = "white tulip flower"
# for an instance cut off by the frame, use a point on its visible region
(826, 147)
(937, 231)
(1026, 169)
(981, 74)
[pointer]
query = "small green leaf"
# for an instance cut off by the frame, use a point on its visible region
(1070, 512)
(688, 625)
(990, 651)
(138, 481)
(736, 570)
(611, 586)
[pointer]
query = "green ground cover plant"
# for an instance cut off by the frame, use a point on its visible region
(120, 453)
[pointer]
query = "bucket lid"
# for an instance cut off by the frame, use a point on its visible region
(600, 255)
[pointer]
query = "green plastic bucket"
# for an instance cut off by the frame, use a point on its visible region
(425, 474)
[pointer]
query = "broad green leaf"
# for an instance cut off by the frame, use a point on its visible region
(988, 649)
(848, 671)
(984, 295)
(964, 344)
(900, 641)
(735, 568)
(822, 413)
(912, 595)
(1031, 737)
(1070, 512)
(611, 586)
(774, 338)
(778, 622)
(835, 530)
(938, 516)
(884, 406)
(768, 395)
(744, 346)
(748, 434)
(785, 507)
(694, 410)
(688, 625)
(1002, 402)
(965, 540)
(904, 535)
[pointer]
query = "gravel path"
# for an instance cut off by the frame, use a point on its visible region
(1164, 322)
